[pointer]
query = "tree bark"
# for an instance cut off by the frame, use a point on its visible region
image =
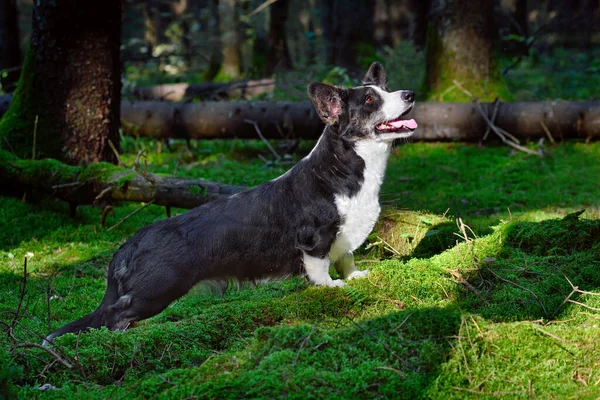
(420, 9)
(70, 84)
(231, 66)
(277, 120)
(105, 183)
(460, 47)
(215, 56)
(347, 25)
(278, 54)
(10, 53)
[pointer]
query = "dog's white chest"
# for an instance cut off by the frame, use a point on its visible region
(359, 213)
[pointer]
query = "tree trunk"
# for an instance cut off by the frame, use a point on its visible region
(106, 183)
(460, 47)
(278, 55)
(10, 54)
(66, 105)
(278, 120)
(348, 31)
(214, 42)
(230, 39)
(420, 9)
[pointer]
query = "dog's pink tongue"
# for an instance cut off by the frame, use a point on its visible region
(404, 123)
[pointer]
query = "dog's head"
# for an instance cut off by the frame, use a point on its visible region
(369, 111)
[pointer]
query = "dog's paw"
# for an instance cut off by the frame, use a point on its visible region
(358, 274)
(336, 283)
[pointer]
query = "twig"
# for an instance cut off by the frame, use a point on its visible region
(584, 305)
(553, 336)
(103, 193)
(11, 328)
(66, 185)
(574, 289)
(105, 211)
(545, 128)
(260, 8)
(136, 166)
(260, 135)
(520, 287)
(397, 371)
(47, 349)
(131, 214)
(474, 391)
(35, 124)
(305, 341)
(48, 304)
(114, 149)
(22, 288)
(494, 128)
(494, 113)
(508, 135)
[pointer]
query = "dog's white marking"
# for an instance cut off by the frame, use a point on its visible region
(317, 270)
(359, 213)
(393, 105)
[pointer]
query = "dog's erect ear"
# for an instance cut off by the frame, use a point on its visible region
(327, 100)
(375, 75)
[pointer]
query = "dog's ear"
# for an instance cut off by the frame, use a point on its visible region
(327, 100)
(375, 75)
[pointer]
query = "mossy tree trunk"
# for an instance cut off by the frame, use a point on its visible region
(70, 82)
(10, 54)
(231, 42)
(460, 47)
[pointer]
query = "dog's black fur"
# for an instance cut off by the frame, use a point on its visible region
(256, 234)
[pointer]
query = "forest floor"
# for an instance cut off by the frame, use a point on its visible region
(484, 282)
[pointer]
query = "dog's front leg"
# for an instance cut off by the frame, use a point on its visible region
(317, 270)
(346, 267)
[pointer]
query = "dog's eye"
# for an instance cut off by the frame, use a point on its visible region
(369, 99)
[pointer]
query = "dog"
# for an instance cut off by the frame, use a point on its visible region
(315, 214)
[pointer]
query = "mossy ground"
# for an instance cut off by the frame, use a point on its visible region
(437, 317)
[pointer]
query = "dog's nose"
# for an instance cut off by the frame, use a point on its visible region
(408, 96)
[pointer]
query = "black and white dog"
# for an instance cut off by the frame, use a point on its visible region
(314, 215)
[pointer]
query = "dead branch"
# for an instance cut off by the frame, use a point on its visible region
(130, 215)
(20, 343)
(492, 125)
(520, 287)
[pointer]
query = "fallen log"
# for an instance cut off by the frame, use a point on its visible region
(277, 120)
(203, 91)
(106, 183)
(211, 120)
(437, 121)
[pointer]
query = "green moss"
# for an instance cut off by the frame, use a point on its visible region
(106, 172)
(449, 319)
(17, 126)
(195, 190)
(442, 72)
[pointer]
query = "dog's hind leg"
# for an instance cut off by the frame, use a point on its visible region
(317, 270)
(346, 267)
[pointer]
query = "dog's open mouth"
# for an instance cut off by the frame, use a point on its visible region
(397, 125)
